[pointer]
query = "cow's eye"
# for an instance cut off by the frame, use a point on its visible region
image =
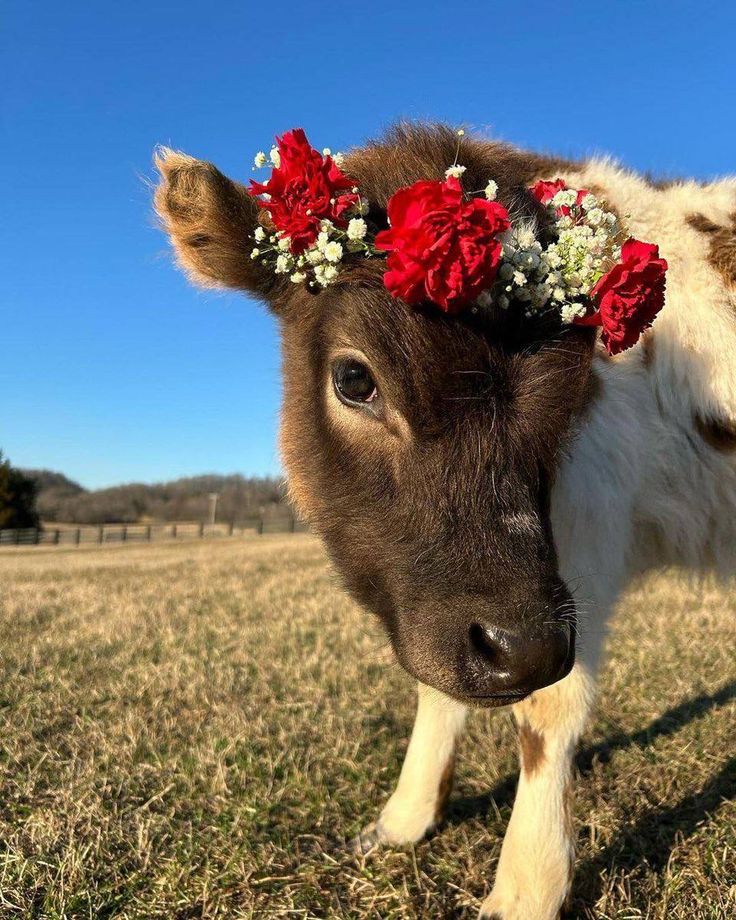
(353, 382)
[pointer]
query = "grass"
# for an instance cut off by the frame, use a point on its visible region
(193, 730)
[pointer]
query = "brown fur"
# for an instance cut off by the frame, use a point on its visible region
(531, 743)
(720, 434)
(210, 220)
(445, 788)
(477, 410)
(410, 152)
(722, 244)
(648, 349)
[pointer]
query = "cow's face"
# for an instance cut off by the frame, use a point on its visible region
(422, 448)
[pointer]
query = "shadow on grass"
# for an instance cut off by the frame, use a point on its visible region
(671, 721)
(651, 838)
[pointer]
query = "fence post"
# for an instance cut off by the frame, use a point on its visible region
(57, 532)
(173, 531)
(201, 528)
(231, 529)
(260, 525)
(124, 534)
(101, 534)
(148, 533)
(78, 536)
(293, 524)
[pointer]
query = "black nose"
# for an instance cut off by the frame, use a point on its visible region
(503, 663)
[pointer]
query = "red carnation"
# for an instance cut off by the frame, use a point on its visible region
(304, 189)
(629, 296)
(545, 191)
(441, 246)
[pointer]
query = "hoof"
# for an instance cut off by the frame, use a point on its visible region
(369, 839)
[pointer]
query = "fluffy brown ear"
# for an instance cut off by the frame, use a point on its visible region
(210, 220)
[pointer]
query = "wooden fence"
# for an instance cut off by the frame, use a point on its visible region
(69, 535)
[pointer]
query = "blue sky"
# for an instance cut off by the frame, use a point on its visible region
(113, 369)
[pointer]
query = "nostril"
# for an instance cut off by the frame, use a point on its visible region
(482, 643)
(504, 663)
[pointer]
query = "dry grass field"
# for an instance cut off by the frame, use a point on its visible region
(193, 730)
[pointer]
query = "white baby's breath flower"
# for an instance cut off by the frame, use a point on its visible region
(589, 202)
(326, 152)
(259, 159)
(315, 256)
(491, 190)
(298, 277)
(255, 252)
(283, 265)
(558, 294)
(595, 216)
(525, 237)
(284, 244)
(506, 271)
(325, 274)
(333, 252)
(564, 198)
(323, 238)
(338, 159)
(357, 228)
(275, 157)
(455, 172)
(326, 225)
(519, 279)
(259, 234)
(542, 294)
(571, 311)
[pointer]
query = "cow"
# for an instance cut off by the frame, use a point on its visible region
(488, 488)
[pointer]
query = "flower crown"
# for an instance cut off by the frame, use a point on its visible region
(456, 248)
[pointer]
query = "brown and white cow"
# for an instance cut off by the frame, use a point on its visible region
(468, 473)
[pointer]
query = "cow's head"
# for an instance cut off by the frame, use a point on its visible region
(421, 447)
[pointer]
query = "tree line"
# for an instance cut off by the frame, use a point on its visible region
(29, 495)
(18, 494)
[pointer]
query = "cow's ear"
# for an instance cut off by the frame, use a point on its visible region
(210, 220)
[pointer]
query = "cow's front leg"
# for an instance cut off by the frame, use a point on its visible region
(535, 870)
(418, 802)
